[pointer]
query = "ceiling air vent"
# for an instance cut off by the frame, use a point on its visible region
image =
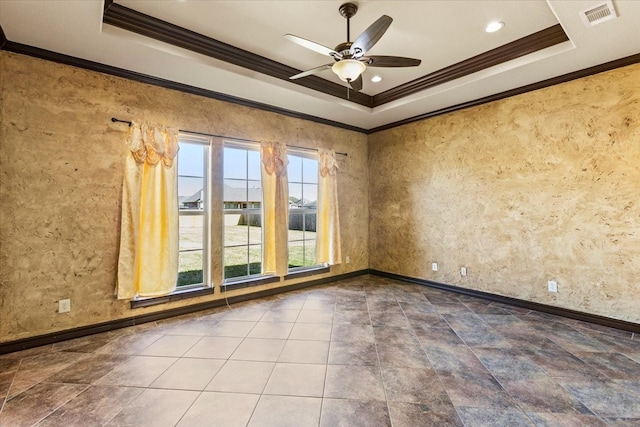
(599, 14)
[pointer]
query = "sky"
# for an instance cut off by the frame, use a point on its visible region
(242, 164)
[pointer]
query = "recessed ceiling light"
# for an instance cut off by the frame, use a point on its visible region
(494, 26)
(376, 79)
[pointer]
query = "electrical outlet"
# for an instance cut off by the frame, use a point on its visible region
(463, 271)
(552, 285)
(64, 306)
(434, 266)
(347, 259)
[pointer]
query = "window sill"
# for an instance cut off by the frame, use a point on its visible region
(295, 274)
(177, 295)
(247, 282)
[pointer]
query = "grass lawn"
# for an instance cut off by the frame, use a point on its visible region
(235, 258)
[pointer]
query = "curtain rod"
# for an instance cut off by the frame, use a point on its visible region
(115, 120)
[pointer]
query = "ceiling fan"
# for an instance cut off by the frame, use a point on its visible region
(350, 60)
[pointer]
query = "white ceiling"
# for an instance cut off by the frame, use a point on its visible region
(440, 33)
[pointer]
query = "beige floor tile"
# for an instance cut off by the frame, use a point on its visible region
(239, 376)
(296, 379)
(286, 411)
(220, 409)
(301, 351)
(259, 349)
(155, 408)
(189, 374)
(214, 347)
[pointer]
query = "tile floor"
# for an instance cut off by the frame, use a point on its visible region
(362, 352)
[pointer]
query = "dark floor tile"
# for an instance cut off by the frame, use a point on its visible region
(94, 406)
(492, 417)
(453, 358)
(607, 398)
(31, 352)
(426, 320)
(542, 394)
(394, 320)
(445, 336)
(545, 419)
(36, 369)
(468, 388)
(86, 344)
(356, 317)
(417, 308)
(389, 335)
(484, 308)
(623, 422)
(354, 413)
(352, 333)
(90, 369)
(408, 355)
(358, 304)
(613, 365)
(507, 321)
(482, 337)
(354, 382)
(412, 385)
(34, 404)
(353, 353)
(424, 415)
(559, 363)
(384, 305)
(505, 364)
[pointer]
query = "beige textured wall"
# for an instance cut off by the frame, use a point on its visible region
(542, 186)
(61, 164)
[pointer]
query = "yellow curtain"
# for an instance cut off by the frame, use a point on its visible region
(328, 227)
(275, 208)
(148, 259)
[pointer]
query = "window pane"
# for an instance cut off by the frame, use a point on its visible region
(255, 259)
(295, 195)
(294, 170)
(192, 228)
(235, 193)
(191, 159)
(242, 213)
(310, 252)
(190, 268)
(236, 232)
(310, 195)
(254, 170)
(310, 170)
(255, 229)
(235, 163)
(235, 262)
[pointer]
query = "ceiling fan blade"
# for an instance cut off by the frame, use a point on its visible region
(316, 47)
(390, 61)
(370, 36)
(356, 85)
(311, 71)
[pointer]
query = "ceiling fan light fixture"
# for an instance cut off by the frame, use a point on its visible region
(348, 69)
(494, 26)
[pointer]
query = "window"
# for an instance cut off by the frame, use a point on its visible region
(193, 190)
(303, 208)
(242, 206)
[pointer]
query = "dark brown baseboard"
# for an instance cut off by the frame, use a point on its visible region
(558, 311)
(82, 331)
